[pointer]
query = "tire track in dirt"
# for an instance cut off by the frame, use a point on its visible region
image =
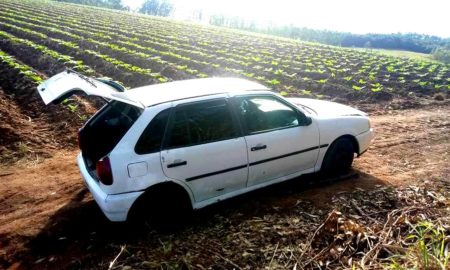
(410, 145)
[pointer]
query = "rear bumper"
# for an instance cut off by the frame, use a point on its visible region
(115, 207)
(364, 140)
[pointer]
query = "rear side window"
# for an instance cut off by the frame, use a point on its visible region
(151, 139)
(200, 123)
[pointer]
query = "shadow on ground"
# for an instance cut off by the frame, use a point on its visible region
(79, 232)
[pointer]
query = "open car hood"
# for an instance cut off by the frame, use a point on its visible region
(67, 83)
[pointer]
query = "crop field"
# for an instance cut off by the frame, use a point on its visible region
(138, 50)
(391, 212)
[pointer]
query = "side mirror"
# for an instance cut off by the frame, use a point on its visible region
(303, 119)
(307, 121)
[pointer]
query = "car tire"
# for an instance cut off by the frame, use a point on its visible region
(163, 209)
(339, 157)
(169, 215)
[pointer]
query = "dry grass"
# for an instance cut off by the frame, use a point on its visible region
(385, 228)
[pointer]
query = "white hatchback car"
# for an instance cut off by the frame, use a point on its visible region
(189, 144)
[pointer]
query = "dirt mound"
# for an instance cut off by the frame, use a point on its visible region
(30, 129)
(20, 135)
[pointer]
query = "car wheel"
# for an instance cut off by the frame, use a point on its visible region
(163, 209)
(169, 214)
(339, 157)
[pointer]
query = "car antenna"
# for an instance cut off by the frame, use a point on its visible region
(84, 77)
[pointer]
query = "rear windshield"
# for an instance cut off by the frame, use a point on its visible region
(106, 129)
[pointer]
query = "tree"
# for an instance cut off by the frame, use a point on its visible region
(114, 4)
(150, 7)
(165, 9)
(162, 8)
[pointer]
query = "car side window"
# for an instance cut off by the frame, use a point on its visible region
(199, 123)
(151, 139)
(264, 113)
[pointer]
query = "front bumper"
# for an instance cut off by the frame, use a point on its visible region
(364, 139)
(115, 207)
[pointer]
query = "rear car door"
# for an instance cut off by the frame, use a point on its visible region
(279, 138)
(204, 148)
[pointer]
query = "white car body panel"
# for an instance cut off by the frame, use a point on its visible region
(335, 120)
(364, 139)
(280, 143)
(228, 157)
(214, 171)
(326, 108)
(205, 203)
(115, 207)
(124, 155)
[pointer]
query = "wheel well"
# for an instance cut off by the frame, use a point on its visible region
(353, 140)
(159, 192)
(327, 156)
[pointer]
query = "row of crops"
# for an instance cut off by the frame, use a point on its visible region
(138, 50)
(25, 70)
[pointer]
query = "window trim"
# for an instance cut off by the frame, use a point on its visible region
(170, 123)
(244, 126)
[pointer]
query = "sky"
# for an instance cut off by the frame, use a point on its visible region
(356, 16)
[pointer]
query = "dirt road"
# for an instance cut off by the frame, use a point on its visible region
(48, 219)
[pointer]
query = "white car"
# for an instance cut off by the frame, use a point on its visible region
(188, 144)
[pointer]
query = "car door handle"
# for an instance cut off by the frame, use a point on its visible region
(177, 163)
(258, 147)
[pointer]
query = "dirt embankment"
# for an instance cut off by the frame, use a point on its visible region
(48, 218)
(30, 129)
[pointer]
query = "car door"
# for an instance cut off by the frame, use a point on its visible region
(204, 148)
(280, 139)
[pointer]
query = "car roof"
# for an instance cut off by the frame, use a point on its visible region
(165, 92)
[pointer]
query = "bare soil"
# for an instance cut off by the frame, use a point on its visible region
(28, 128)
(49, 220)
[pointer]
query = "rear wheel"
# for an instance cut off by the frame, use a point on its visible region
(339, 157)
(165, 208)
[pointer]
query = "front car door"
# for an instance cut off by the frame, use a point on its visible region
(204, 148)
(279, 139)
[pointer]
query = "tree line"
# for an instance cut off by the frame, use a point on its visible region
(397, 41)
(438, 47)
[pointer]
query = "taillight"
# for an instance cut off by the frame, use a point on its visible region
(104, 173)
